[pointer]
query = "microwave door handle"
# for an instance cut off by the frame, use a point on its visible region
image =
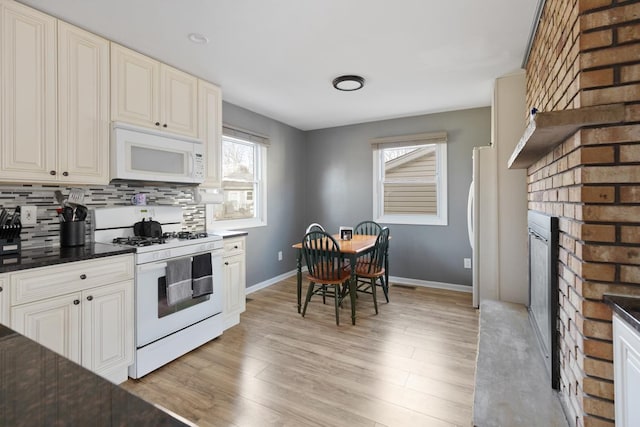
(191, 163)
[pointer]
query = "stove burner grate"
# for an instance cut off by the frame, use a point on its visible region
(139, 241)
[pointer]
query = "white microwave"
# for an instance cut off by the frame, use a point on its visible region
(148, 155)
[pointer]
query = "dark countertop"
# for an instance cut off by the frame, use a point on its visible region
(43, 257)
(38, 387)
(626, 307)
(225, 234)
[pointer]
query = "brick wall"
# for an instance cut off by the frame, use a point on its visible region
(585, 53)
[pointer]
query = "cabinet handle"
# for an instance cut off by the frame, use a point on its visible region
(1, 289)
(235, 247)
(76, 301)
(65, 173)
(52, 172)
(83, 276)
(89, 298)
(157, 123)
(164, 125)
(226, 263)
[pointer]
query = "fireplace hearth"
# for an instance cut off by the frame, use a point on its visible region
(543, 289)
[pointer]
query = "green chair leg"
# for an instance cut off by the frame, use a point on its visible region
(336, 289)
(308, 298)
(373, 292)
(385, 288)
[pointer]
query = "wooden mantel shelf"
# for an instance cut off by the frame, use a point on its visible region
(548, 130)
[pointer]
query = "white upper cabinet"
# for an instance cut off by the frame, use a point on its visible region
(135, 91)
(28, 122)
(55, 100)
(148, 93)
(83, 101)
(210, 122)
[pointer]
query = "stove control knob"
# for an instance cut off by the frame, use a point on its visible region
(166, 254)
(155, 255)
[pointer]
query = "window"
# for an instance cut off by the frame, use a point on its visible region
(410, 179)
(243, 162)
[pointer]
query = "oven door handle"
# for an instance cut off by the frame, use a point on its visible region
(152, 266)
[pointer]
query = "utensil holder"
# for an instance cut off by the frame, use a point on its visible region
(72, 233)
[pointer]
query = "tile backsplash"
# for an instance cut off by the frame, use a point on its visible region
(46, 232)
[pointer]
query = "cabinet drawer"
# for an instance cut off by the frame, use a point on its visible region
(46, 282)
(233, 246)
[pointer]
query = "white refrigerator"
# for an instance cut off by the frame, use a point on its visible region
(482, 224)
(497, 211)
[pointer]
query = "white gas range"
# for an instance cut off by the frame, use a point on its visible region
(169, 323)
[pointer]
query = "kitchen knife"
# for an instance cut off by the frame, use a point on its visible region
(15, 218)
(3, 217)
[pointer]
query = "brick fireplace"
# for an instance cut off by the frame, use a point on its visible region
(586, 53)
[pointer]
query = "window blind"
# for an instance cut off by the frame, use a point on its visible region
(245, 135)
(409, 140)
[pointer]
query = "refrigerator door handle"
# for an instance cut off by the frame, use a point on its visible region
(470, 215)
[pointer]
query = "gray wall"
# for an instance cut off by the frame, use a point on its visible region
(340, 186)
(326, 176)
(285, 193)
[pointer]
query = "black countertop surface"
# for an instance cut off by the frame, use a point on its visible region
(38, 387)
(43, 257)
(626, 307)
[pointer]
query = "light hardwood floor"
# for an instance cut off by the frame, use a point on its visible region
(411, 365)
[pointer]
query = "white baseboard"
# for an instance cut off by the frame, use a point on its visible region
(271, 281)
(430, 284)
(392, 279)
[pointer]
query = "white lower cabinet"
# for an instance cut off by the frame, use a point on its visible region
(4, 299)
(234, 280)
(86, 320)
(626, 363)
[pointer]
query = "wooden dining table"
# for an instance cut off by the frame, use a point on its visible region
(351, 249)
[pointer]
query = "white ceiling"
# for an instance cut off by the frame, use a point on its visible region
(278, 57)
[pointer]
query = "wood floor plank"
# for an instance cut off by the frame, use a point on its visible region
(413, 364)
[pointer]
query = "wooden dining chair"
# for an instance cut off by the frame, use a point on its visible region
(327, 274)
(371, 269)
(314, 227)
(370, 228)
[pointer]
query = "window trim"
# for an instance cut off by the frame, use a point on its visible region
(260, 199)
(379, 144)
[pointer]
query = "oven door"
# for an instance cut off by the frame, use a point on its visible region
(156, 319)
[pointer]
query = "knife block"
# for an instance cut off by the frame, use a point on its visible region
(72, 233)
(9, 246)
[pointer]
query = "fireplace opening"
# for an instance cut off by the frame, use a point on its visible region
(543, 289)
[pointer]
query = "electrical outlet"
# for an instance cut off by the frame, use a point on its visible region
(279, 255)
(29, 215)
(467, 263)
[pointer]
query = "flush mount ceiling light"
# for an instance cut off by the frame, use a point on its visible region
(348, 83)
(198, 38)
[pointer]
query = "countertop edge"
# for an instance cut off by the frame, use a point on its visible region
(226, 234)
(46, 257)
(624, 305)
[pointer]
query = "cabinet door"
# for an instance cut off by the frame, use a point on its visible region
(626, 352)
(234, 286)
(179, 108)
(83, 100)
(210, 123)
(28, 94)
(135, 93)
(54, 323)
(4, 300)
(107, 326)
